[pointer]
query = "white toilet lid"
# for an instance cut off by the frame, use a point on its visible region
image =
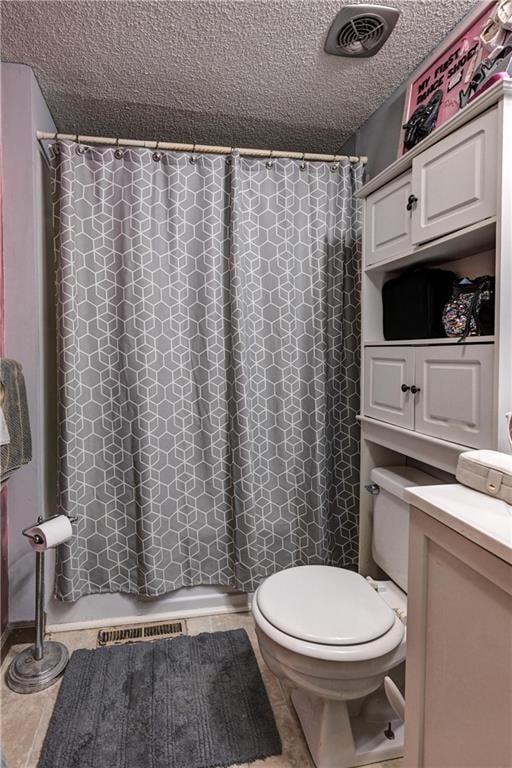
(323, 604)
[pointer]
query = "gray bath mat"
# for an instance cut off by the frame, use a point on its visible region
(191, 702)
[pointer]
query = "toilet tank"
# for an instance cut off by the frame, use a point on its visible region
(390, 538)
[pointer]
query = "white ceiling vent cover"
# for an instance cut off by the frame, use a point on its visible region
(359, 31)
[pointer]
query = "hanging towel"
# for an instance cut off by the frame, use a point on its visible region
(18, 450)
(5, 437)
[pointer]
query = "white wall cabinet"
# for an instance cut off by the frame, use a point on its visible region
(449, 187)
(388, 221)
(444, 392)
(454, 181)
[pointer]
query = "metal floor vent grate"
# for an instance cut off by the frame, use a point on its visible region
(134, 633)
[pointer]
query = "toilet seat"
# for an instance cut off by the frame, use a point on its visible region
(264, 608)
(323, 604)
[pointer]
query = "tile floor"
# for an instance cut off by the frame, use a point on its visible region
(25, 718)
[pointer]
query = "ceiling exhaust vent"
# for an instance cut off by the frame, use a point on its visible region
(359, 31)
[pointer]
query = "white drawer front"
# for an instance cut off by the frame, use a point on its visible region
(387, 221)
(455, 398)
(386, 369)
(455, 180)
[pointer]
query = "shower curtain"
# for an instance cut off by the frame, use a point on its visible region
(208, 334)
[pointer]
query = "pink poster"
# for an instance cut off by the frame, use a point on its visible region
(449, 75)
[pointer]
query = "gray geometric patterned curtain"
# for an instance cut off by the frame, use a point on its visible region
(208, 346)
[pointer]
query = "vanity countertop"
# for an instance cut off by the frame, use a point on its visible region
(478, 517)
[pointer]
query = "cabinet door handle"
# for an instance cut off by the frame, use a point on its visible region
(404, 388)
(412, 199)
(414, 389)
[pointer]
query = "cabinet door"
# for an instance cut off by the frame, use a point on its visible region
(459, 663)
(455, 397)
(386, 369)
(387, 221)
(455, 180)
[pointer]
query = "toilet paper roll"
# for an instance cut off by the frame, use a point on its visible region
(53, 532)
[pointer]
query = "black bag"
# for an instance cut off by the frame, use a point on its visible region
(470, 310)
(413, 304)
(422, 121)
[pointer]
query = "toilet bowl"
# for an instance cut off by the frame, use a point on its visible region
(334, 636)
(332, 659)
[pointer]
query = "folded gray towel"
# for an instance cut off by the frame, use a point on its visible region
(19, 450)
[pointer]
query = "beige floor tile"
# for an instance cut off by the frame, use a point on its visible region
(198, 625)
(44, 721)
(225, 621)
(11, 653)
(22, 716)
(83, 638)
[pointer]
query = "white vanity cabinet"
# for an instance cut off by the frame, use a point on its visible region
(441, 391)
(455, 180)
(388, 220)
(458, 706)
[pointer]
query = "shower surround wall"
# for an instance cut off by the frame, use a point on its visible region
(208, 357)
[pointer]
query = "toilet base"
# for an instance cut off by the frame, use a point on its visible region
(337, 739)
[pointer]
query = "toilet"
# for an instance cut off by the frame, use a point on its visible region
(334, 635)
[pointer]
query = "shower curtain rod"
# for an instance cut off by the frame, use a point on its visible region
(199, 148)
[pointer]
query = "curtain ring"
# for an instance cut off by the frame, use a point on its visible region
(80, 149)
(192, 158)
(269, 162)
(54, 148)
(156, 154)
(119, 151)
(229, 158)
(302, 165)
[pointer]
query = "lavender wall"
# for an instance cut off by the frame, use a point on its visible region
(26, 258)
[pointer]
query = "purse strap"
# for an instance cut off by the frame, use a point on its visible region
(482, 284)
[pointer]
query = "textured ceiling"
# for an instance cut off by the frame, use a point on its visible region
(232, 72)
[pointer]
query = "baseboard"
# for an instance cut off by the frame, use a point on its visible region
(190, 613)
(17, 633)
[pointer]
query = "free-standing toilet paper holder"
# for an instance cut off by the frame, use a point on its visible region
(41, 664)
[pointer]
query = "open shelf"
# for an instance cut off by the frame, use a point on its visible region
(473, 239)
(433, 451)
(430, 342)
